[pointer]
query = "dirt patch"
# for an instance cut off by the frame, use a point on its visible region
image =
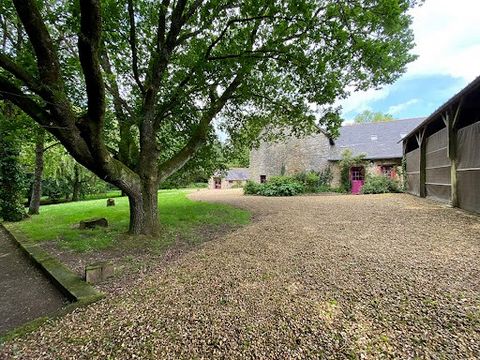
(378, 276)
(134, 258)
(25, 292)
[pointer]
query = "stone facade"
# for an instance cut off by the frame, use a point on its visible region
(225, 184)
(291, 156)
(296, 155)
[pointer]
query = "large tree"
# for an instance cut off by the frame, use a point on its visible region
(168, 70)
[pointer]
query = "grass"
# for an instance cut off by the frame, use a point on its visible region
(179, 217)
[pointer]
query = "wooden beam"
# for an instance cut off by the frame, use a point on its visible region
(452, 153)
(423, 160)
(457, 112)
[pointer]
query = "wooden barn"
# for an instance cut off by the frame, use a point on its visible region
(442, 154)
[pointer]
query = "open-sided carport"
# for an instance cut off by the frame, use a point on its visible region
(442, 154)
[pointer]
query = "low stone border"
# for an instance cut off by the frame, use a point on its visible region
(69, 283)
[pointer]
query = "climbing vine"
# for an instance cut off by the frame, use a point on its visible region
(348, 160)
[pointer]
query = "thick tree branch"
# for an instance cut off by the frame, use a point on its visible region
(199, 136)
(161, 28)
(88, 49)
(132, 39)
(47, 61)
(8, 91)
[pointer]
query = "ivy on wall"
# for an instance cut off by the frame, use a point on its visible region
(348, 160)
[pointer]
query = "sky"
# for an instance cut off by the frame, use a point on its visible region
(447, 37)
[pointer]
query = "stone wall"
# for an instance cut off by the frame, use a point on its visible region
(293, 155)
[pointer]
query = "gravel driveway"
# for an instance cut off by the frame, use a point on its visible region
(380, 276)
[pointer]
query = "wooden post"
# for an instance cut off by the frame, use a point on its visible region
(451, 123)
(423, 161)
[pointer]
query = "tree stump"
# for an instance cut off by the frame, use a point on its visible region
(93, 223)
(110, 202)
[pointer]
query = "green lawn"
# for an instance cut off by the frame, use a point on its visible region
(180, 218)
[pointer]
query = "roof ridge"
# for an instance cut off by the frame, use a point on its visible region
(385, 122)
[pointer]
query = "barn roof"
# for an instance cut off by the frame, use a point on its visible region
(375, 140)
(237, 174)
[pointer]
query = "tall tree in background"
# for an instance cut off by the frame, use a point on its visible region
(34, 205)
(368, 116)
(167, 69)
(11, 174)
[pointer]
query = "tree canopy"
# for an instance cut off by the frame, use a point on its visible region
(132, 89)
(369, 116)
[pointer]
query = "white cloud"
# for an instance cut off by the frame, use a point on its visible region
(448, 39)
(360, 100)
(395, 109)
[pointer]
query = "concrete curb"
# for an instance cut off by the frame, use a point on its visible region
(71, 285)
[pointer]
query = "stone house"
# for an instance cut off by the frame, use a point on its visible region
(232, 178)
(379, 142)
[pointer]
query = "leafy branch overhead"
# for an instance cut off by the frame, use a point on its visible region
(133, 89)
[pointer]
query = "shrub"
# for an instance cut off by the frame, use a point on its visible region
(379, 184)
(281, 186)
(198, 185)
(315, 182)
(276, 186)
(251, 188)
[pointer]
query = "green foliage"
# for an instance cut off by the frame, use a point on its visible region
(12, 179)
(275, 186)
(314, 181)
(236, 154)
(182, 218)
(369, 44)
(379, 184)
(368, 116)
(251, 188)
(347, 161)
(281, 186)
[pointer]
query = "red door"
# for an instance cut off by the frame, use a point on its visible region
(357, 178)
(218, 183)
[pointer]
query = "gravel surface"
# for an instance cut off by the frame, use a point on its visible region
(379, 276)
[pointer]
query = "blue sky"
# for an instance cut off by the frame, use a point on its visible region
(447, 37)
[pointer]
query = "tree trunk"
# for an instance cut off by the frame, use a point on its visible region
(34, 207)
(76, 183)
(144, 211)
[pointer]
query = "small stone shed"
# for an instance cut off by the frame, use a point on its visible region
(232, 178)
(442, 153)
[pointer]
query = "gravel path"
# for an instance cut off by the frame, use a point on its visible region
(380, 276)
(25, 292)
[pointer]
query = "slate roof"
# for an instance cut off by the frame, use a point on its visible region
(360, 139)
(235, 174)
